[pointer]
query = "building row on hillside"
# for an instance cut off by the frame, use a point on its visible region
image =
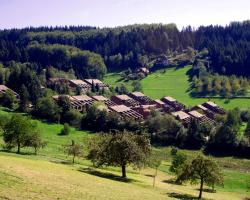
(82, 102)
(79, 103)
(176, 106)
(84, 85)
(186, 117)
(141, 98)
(138, 106)
(210, 109)
(126, 112)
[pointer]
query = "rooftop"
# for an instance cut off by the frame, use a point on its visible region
(95, 81)
(99, 98)
(120, 108)
(181, 114)
(78, 81)
(123, 97)
(212, 104)
(201, 107)
(171, 99)
(138, 94)
(196, 114)
(159, 101)
(82, 98)
(3, 87)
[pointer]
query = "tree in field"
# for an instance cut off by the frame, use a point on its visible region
(233, 119)
(73, 117)
(35, 141)
(137, 86)
(65, 130)
(122, 89)
(202, 170)
(18, 132)
(46, 108)
(74, 150)
(154, 161)
(119, 149)
(178, 162)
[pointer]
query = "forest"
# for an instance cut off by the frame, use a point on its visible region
(126, 47)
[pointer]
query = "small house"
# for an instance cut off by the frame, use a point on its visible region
(125, 100)
(97, 83)
(141, 98)
(126, 112)
(105, 100)
(177, 106)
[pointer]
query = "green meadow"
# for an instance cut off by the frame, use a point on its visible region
(174, 82)
(50, 174)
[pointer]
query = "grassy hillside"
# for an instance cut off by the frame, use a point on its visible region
(50, 175)
(174, 82)
(24, 178)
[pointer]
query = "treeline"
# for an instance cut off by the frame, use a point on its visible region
(207, 83)
(86, 64)
(133, 46)
(120, 47)
(217, 85)
(229, 47)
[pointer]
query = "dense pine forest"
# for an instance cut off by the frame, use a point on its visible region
(90, 50)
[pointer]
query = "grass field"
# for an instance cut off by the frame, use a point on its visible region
(174, 82)
(50, 175)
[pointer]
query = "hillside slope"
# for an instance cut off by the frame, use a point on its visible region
(50, 174)
(174, 82)
(24, 178)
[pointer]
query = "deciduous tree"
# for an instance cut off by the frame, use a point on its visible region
(203, 170)
(119, 149)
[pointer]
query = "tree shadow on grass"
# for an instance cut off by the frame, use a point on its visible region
(171, 181)
(106, 175)
(23, 153)
(149, 175)
(64, 162)
(208, 190)
(181, 196)
(184, 196)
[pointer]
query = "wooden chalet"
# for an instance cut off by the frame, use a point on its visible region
(214, 107)
(86, 100)
(141, 98)
(74, 104)
(200, 108)
(182, 116)
(145, 110)
(78, 83)
(163, 106)
(159, 103)
(105, 100)
(177, 106)
(125, 100)
(200, 117)
(126, 112)
(4, 88)
(96, 82)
